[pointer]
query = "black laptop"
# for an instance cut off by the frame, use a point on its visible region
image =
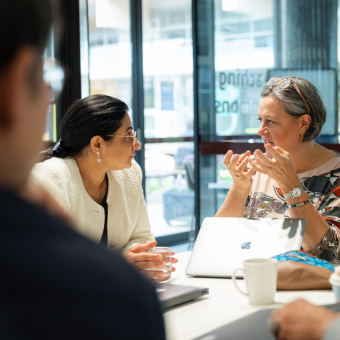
(253, 326)
(171, 295)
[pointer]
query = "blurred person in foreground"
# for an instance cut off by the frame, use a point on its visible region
(300, 320)
(55, 284)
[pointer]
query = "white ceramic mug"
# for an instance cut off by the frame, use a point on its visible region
(261, 277)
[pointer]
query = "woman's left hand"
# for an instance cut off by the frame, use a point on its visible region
(281, 168)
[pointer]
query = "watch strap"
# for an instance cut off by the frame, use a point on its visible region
(289, 194)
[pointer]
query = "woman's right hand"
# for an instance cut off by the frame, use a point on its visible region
(237, 167)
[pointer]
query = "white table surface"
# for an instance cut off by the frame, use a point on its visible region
(222, 305)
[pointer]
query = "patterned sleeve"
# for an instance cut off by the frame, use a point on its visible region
(329, 247)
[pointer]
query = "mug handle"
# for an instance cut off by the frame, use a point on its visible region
(234, 280)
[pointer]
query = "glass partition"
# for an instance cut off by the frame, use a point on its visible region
(167, 66)
(168, 115)
(241, 45)
(110, 49)
(255, 41)
(84, 48)
(50, 133)
(168, 187)
(244, 51)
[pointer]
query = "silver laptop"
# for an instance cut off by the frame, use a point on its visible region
(170, 295)
(223, 243)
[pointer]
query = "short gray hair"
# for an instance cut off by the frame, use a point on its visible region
(293, 104)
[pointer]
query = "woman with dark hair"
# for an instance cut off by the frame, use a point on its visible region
(296, 177)
(92, 175)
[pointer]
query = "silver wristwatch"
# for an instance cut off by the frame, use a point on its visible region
(295, 193)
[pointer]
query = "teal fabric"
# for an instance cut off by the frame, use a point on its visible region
(299, 256)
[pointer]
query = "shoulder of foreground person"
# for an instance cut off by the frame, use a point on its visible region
(57, 284)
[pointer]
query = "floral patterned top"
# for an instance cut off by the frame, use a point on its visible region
(323, 187)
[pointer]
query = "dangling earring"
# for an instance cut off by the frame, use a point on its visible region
(99, 159)
(302, 137)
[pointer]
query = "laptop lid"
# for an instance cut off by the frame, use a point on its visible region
(223, 243)
(256, 327)
(171, 295)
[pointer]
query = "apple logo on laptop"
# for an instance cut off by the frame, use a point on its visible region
(245, 245)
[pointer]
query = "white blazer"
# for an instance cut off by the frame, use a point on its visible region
(128, 222)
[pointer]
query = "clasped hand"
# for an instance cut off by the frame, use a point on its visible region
(280, 168)
(143, 261)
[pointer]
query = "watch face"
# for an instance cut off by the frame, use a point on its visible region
(296, 192)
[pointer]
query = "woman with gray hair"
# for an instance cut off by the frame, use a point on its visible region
(296, 177)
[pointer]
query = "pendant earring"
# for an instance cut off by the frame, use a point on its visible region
(302, 137)
(99, 159)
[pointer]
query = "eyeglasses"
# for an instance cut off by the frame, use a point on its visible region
(287, 82)
(132, 138)
(54, 76)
